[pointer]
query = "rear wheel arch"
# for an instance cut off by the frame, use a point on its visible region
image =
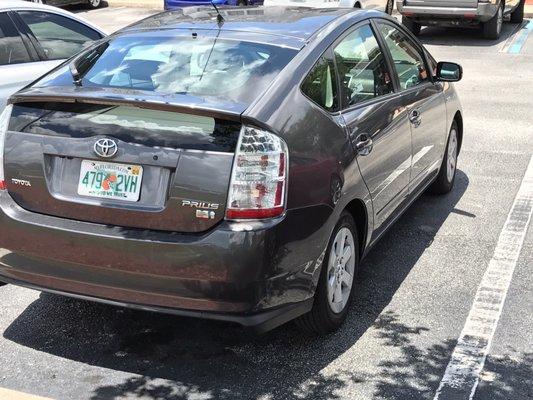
(359, 213)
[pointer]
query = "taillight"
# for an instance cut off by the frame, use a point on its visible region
(4, 122)
(259, 178)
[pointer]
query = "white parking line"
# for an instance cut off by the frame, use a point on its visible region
(468, 358)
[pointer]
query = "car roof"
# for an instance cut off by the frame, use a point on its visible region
(18, 5)
(294, 22)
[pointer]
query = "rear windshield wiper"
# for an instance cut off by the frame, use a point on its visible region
(82, 64)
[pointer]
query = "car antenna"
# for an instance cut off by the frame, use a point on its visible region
(220, 18)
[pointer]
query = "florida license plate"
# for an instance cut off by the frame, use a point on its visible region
(110, 180)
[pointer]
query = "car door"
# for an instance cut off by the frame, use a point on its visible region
(422, 97)
(55, 36)
(375, 119)
(17, 59)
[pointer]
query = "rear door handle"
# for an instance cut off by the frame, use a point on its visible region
(415, 117)
(364, 144)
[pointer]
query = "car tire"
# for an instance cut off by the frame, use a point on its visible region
(446, 178)
(242, 3)
(331, 306)
(390, 7)
(413, 26)
(94, 4)
(493, 27)
(517, 16)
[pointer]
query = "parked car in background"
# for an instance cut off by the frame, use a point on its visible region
(34, 38)
(173, 4)
(487, 14)
(61, 3)
(381, 5)
(237, 171)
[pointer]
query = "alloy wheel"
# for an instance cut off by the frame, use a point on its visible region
(95, 3)
(341, 270)
(452, 156)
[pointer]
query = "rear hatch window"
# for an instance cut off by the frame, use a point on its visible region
(198, 65)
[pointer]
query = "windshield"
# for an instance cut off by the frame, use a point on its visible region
(198, 66)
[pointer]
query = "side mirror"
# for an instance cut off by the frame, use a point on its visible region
(449, 72)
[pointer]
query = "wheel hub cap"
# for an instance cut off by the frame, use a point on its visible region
(341, 268)
(452, 156)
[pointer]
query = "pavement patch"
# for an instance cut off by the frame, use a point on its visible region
(462, 374)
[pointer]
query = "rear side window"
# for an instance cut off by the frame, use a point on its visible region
(12, 48)
(408, 60)
(60, 37)
(321, 85)
(362, 67)
(199, 66)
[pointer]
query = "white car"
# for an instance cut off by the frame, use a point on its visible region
(382, 5)
(34, 38)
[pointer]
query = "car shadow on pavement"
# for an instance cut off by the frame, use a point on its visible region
(437, 36)
(174, 357)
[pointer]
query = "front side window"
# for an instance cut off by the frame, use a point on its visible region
(321, 85)
(60, 37)
(408, 60)
(12, 49)
(362, 67)
(234, 70)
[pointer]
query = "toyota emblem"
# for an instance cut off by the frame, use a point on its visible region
(105, 148)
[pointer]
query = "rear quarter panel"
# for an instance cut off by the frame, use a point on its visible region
(323, 169)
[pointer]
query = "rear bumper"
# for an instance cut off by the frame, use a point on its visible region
(444, 15)
(258, 322)
(252, 275)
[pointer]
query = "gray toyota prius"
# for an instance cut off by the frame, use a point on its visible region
(234, 165)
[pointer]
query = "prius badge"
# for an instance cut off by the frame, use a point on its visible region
(105, 148)
(204, 210)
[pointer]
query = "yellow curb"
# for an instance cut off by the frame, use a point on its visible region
(6, 394)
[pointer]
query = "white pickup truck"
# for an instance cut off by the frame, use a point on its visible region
(488, 14)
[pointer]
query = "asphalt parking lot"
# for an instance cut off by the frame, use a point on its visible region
(413, 297)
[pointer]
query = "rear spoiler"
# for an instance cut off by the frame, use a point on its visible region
(212, 107)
